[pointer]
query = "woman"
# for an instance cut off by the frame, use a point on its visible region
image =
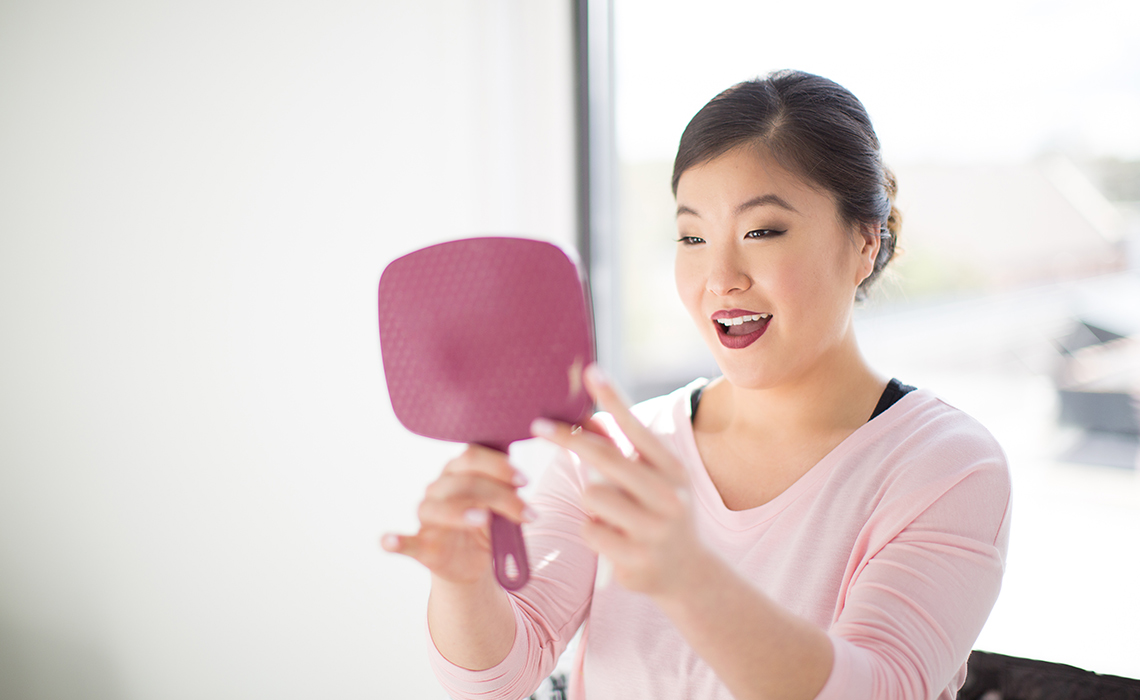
(798, 528)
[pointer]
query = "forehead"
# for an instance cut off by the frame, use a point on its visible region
(743, 174)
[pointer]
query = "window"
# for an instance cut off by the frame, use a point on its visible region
(1015, 297)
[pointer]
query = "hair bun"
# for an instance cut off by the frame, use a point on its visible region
(892, 227)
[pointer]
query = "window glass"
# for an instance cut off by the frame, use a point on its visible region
(1016, 295)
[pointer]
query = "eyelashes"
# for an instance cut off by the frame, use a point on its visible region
(754, 234)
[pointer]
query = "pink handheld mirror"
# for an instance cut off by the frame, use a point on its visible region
(479, 337)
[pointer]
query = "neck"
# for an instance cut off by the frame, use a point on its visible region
(837, 394)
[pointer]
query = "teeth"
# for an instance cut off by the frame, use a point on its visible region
(742, 319)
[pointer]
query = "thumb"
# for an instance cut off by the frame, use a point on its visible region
(408, 545)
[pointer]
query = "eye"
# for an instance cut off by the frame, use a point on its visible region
(690, 240)
(763, 233)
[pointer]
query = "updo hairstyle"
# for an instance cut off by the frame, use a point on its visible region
(814, 128)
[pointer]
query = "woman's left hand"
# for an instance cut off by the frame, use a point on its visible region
(642, 520)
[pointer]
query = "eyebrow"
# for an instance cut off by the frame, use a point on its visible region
(763, 200)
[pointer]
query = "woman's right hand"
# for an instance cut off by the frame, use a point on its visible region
(454, 540)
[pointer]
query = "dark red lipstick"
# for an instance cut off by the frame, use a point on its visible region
(747, 327)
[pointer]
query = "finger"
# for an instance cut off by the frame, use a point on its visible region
(651, 487)
(477, 459)
(590, 445)
(608, 542)
(407, 545)
(595, 426)
(390, 541)
(644, 441)
(606, 431)
(430, 547)
(465, 514)
(619, 509)
(462, 500)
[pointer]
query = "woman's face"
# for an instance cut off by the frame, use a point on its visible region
(766, 268)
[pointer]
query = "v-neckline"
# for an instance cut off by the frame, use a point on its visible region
(709, 496)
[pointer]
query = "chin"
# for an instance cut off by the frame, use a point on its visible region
(751, 381)
(753, 376)
(761, 370)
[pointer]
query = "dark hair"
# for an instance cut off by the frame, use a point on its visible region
(815, 128)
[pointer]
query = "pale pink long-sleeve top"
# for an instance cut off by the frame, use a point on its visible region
(894, 543)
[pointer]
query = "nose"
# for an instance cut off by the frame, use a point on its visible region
(727, 275)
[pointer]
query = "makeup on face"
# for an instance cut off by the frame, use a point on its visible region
(739, 328)
(766, 259)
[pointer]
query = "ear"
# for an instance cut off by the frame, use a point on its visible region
(869, 243)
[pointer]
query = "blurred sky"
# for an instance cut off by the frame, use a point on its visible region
(972, 80)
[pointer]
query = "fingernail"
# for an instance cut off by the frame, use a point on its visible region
(596, 376)
(529, 515)
(519, 479)
(475, 516)
(541, 427)
(390, 542)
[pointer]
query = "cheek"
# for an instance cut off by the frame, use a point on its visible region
(690, 283)
(795, 280)
(814, 287)
(837, 266)
(687, 284)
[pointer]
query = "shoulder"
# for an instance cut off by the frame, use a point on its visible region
(925, 448)
(921, 425)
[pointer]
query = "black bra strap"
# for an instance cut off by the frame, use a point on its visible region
(694, 400)
(895, 390)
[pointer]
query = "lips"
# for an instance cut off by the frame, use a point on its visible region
(739, 328)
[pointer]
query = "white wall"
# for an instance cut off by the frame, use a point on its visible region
(197, 455)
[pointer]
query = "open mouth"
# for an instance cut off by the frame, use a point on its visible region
(738, 330)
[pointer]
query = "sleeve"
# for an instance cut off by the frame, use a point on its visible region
(551, 607)
(917, 605)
